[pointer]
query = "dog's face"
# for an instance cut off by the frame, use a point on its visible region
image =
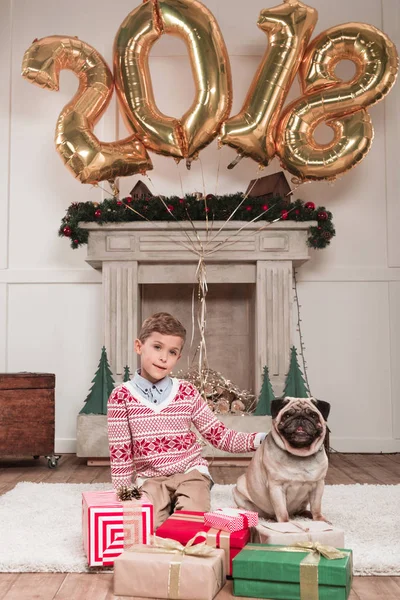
(298, 424)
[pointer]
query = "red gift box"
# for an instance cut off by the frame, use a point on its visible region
(231, 519)
(182, 525)
(109, 526)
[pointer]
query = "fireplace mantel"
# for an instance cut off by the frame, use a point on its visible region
(134, 254)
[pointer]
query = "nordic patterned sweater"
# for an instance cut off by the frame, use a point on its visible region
(149, 440)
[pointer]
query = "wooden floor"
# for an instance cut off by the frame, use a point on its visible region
(344, 468)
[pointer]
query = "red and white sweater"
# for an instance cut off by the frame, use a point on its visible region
(148, 440)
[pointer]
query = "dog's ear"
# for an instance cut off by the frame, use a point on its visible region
(323, 407)
(277, 405)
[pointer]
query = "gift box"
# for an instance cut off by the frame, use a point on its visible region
(297, 531)
(296, 572)
(231, 519)
(182, 525)
(110, 526)
(167, 569)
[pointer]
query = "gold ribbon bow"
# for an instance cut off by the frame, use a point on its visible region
(214, 537)
(309, 564)
(159, 545)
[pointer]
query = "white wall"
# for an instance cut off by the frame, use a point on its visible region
(50, 300)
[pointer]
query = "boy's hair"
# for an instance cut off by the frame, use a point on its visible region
(163, 323)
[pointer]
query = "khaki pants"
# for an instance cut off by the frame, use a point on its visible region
(183, 491)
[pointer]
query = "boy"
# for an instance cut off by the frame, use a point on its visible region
(149, 421)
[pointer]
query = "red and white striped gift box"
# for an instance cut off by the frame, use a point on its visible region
(231, 519)
(110, 526)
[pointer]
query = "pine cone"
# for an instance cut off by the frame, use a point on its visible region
(123, 493)
(136, 492)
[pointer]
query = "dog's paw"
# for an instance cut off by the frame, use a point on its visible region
(321, 518)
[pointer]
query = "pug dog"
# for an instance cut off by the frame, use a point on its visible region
(287, 472)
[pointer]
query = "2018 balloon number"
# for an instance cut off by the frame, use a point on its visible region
(260, 130)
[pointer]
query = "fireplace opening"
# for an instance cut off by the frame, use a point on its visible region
(230, 326)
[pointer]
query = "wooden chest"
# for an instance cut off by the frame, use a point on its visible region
(26, 414)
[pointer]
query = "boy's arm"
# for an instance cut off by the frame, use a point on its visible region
(218, 434)
(119, 439)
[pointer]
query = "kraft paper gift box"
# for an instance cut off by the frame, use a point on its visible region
(156, 572)
(182, 525)
(297, 531)
(110, 526)
(292, 573)
(231, 519)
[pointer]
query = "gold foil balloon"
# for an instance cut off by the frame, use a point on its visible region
(192, 22)
(252, 131)
(340, 105)
(89, 159)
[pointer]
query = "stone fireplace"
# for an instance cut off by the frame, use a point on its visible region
(147, 267)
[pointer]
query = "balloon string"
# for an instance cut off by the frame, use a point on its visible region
(205, 199)
(173, 216)
(245, 196)
(155, 224)
(228, 240)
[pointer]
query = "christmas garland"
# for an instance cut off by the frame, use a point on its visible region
(217, 208)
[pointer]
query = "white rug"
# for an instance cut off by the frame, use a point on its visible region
(40, 525)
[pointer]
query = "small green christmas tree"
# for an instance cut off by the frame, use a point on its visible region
(103, 385)
(266, 396)
(295, 384)
(127, 374)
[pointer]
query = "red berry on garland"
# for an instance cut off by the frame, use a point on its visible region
(181, 200)
(207, 209)
(248, 208)
(119, 202)
(322, 216)
(284, 214)
(67, 231)
(97, 214)
(265, 207)
(170, 208)
(128, 200)
(309, 205)
(76, 242)
(297, 212)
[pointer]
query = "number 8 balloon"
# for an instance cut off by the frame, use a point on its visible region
(341, 105)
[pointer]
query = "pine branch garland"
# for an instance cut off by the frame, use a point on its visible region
(219, 208)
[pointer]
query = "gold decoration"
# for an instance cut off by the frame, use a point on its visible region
(196, 26)
(83, 154)
(252, 131)
(341, 105)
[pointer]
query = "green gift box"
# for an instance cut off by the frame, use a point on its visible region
(298, 572)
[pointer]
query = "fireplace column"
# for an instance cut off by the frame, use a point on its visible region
(121, 314)
(274, 300)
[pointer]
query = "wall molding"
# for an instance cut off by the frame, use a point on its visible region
(338, 274)
(346, 445)
(365, 445)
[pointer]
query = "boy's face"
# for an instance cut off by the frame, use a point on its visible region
(159, 354)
